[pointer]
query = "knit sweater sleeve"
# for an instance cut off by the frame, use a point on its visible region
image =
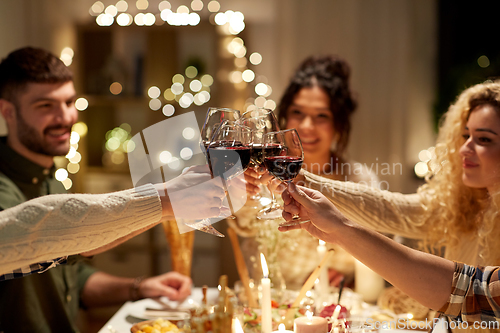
(64, 224)
(383, 211)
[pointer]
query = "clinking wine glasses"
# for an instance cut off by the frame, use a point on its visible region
(214, 118)
(260, 121)
(283, 158)
(229, 155)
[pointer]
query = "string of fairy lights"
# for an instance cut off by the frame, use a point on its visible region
(187, 88)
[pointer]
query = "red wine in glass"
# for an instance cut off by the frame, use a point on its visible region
(228, 159)
(286, 164)
(260, 150)
(285, 168)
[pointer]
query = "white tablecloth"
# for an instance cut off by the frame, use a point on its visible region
(133, 312)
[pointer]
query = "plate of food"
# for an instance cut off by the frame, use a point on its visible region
(158, 325)
(163, 308)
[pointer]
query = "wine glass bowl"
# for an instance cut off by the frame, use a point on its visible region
(260, 121)
(214, 118)
(283, 158)
(229, 151)
(229, 154)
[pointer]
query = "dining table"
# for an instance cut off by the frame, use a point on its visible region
(131, 313)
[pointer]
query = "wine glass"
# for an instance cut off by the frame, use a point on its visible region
(214, 118)
(229, 155)
(260, 121)
(283, 158)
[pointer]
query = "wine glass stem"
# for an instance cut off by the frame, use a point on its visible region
(227, 196)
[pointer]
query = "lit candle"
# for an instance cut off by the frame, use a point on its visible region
(310, 324)
(237, 326)
(367, 283)
(282, 329)
(265, 302)
(324, 281)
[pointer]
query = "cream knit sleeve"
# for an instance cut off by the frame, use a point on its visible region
(64, 224)
(383, 211)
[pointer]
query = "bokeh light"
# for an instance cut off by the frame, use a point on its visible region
(483, 61)
(81, 104)
(142, 4)
(122, 6)
(186, 153)
(155, 104)
(154, 92)
(124, 19)
(188, 133)
(191, 72)
(213, 6)
(195, 85)
(255, 58)
(164, 5)
(115, 88)
(197, 5)
(168, 110)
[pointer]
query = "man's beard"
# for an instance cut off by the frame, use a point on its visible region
(32, 140)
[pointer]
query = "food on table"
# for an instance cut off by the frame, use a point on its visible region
(155, 326)
(328, 311)
(252, 317)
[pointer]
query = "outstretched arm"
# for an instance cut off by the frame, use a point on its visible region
(425, 277)
(59, 225)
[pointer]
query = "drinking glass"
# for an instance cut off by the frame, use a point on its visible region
(283, 158)
(214, 118)
(229, 155)
(260, 121)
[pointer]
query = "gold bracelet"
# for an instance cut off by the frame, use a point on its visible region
(134, 288)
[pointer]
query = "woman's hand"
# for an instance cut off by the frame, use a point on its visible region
(325, 218)
(252, 177)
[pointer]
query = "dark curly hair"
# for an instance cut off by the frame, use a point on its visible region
(331, 74)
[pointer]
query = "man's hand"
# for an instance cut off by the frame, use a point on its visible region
(173, 285)
(192, 195)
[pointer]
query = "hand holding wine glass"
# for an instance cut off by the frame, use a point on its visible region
(214, 118)
(283, 158)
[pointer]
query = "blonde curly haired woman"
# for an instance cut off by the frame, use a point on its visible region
(458, 206)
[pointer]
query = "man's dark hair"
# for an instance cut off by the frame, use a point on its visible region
(30, 65)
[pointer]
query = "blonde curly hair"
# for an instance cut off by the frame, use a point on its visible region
(453, 209)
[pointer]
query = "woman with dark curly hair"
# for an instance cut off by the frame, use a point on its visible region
(319, 104)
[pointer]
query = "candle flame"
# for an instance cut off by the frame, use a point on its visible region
(265, 270)
(336, 313)
(410, 316)
(237, 326)
(281, 327)
(309, 315)
(322, 242)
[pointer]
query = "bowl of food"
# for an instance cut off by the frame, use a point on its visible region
(158, 325)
